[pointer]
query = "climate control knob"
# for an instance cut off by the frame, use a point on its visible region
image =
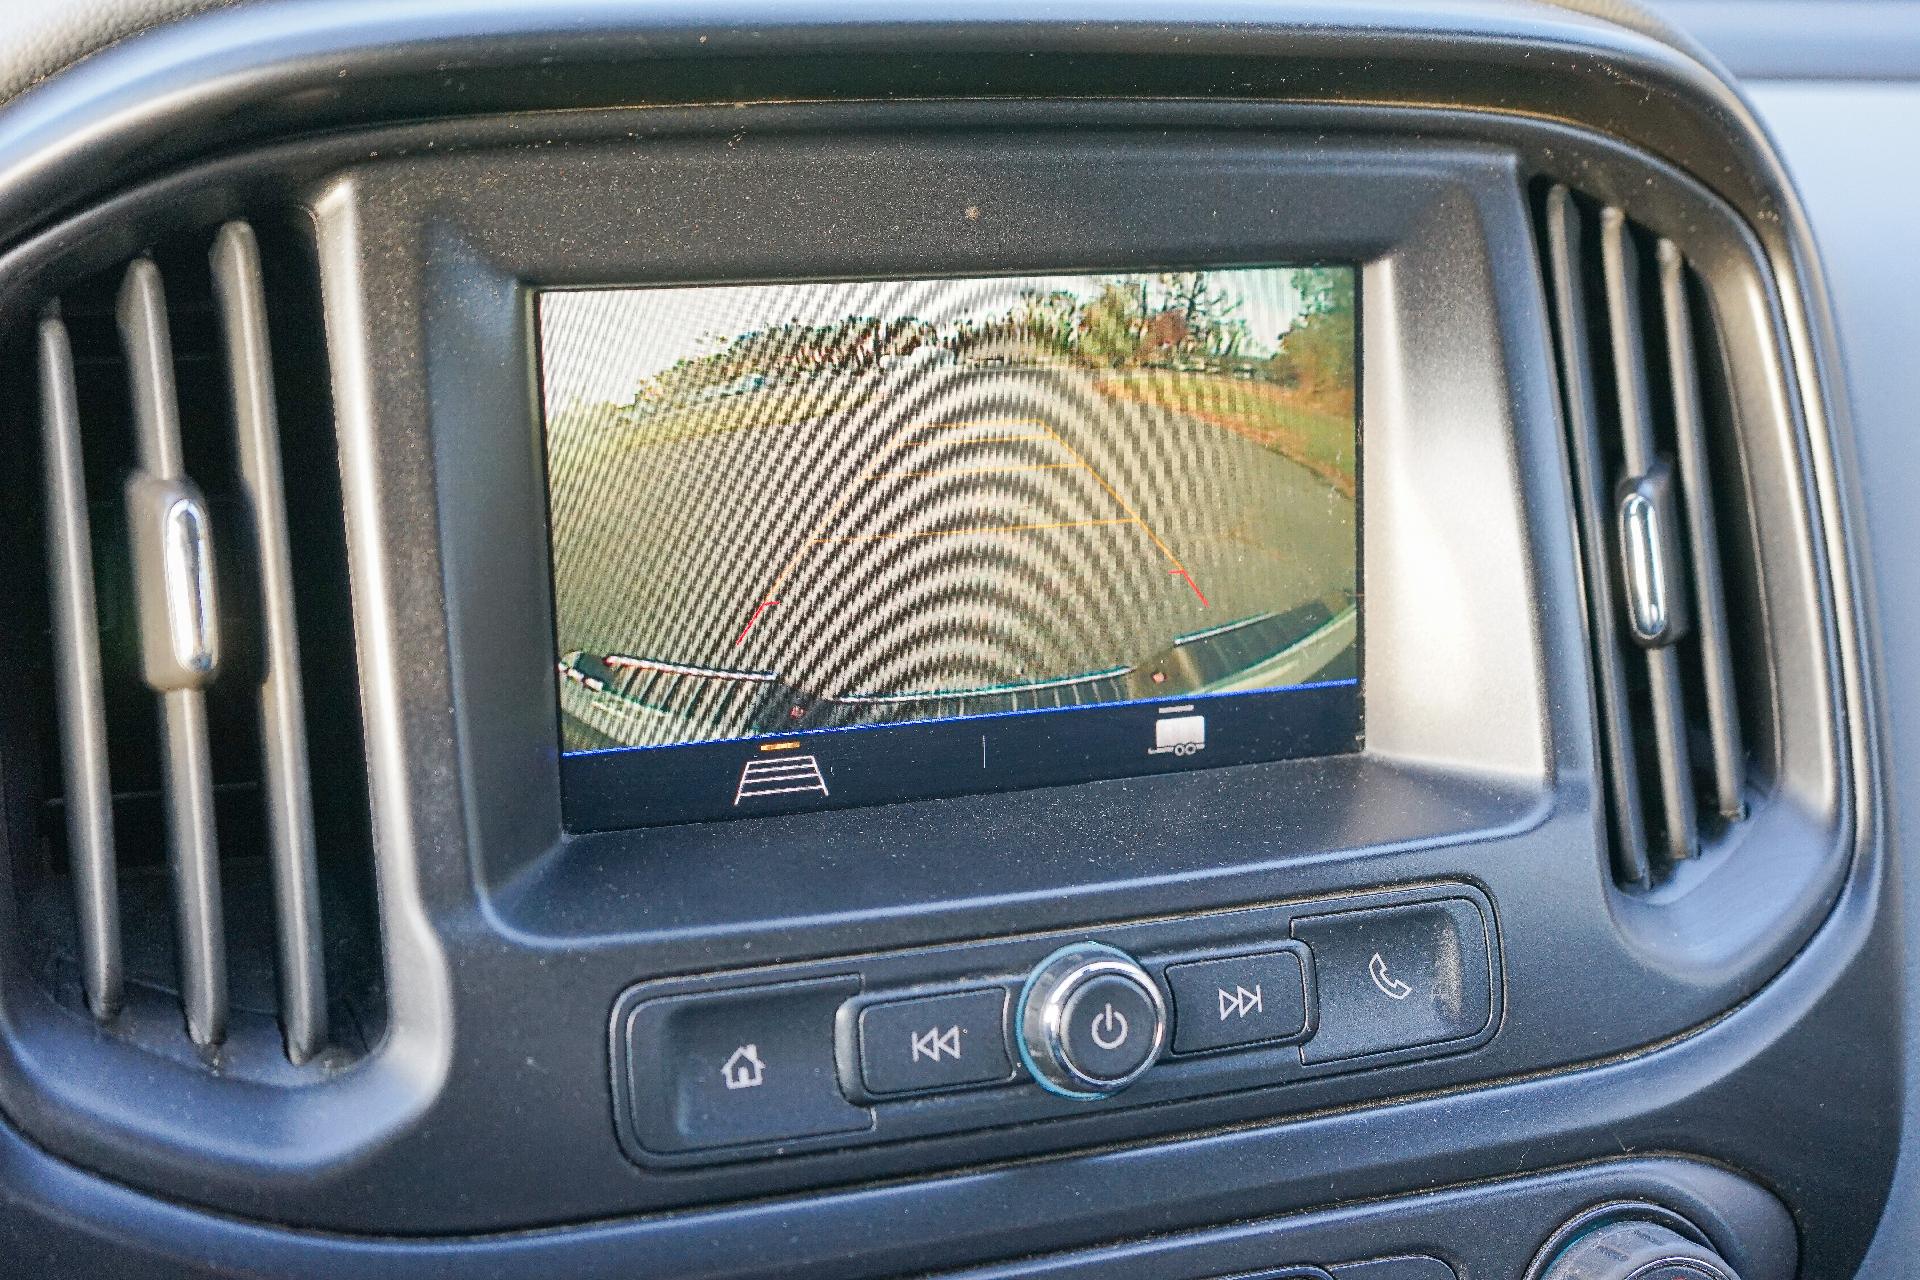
(1091, 1021)
(1636, 1250)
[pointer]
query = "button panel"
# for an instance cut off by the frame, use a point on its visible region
(914, 1044)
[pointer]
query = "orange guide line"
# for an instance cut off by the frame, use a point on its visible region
(1124, 504)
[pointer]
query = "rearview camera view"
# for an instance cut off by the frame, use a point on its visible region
(785, 512)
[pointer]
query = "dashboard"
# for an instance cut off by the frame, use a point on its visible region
(731, 640)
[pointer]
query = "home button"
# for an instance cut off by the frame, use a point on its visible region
(734, 1068)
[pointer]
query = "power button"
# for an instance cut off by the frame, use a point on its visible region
(1091, 1021)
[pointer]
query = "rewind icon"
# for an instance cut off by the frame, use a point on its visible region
(934, 1044)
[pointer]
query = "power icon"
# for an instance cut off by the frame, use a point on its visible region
(1109, 1028)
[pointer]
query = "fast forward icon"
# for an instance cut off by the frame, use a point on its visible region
(1239, 1002)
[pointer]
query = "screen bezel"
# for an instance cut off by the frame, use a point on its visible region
(618, 788)
(1456, 736)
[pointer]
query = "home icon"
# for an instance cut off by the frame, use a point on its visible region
(744, 1070)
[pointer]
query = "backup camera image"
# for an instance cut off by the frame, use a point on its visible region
(795, 507)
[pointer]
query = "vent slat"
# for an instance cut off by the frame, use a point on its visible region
(178, 650)
(241, 296)
(1728, 751)
(89, 791)
(1583, 416)
(1620, 261)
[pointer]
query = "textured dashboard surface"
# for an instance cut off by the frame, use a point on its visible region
(1854, 154)
(1851, 39)
(47, 36)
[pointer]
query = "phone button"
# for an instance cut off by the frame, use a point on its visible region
(1398, 977)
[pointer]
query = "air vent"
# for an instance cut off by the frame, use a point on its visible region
(1653, 452)
(202, 908)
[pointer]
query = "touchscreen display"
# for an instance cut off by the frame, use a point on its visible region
(830, 544)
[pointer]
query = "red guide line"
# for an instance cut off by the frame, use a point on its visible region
(1190, 582)
(762, 608)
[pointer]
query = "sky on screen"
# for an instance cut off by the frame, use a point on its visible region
(600, 344)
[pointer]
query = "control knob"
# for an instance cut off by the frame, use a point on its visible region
(1091, 1021)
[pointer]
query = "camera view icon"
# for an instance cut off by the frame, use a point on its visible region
(787, 775)
(1180, 735)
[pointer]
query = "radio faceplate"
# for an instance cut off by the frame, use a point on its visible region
(833, 144)
(1478, 763)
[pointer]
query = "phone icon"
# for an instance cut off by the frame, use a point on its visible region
(1390, 987)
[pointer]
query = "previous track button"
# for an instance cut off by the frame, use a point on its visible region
(934, 1042)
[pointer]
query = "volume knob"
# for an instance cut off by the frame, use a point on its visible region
(1091, 1021)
